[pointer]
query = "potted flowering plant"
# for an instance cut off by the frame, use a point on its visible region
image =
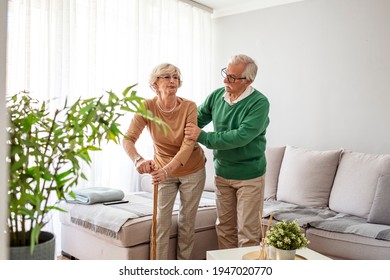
(287, 236)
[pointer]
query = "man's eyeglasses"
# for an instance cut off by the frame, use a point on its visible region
(230, 78)
(168, 78)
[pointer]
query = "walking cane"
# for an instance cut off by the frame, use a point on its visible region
(154, 220)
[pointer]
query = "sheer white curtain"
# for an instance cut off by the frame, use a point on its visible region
(73, 48)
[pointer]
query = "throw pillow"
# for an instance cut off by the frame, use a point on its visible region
(306, 176)
(380, 210)
(210, 172)
(274, 157)
(355, 184)
(145, 183)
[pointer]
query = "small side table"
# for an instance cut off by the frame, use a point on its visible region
(237, 253)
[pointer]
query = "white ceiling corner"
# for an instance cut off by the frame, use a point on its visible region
(229, 7)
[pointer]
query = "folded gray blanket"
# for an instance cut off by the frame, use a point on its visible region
(94, 195)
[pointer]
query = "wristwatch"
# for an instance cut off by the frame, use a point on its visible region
(137, 159)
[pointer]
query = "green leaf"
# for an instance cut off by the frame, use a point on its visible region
(126, 91)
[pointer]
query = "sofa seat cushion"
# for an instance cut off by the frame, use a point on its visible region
(325, 219)
(347, 245)
(355, 183)
(283, 211)
(345, 223)
(306, 176)
(137, 230)
(380, 210)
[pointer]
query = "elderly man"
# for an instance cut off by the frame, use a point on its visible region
(239, 114)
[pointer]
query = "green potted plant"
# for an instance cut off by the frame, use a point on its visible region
(46, 149)
(283, 239)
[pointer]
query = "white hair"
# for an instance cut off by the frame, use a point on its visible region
(251, 67)
(163, 69)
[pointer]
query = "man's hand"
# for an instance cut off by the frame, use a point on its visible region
(192, 131)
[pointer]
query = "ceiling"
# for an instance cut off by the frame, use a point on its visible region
(229, 7)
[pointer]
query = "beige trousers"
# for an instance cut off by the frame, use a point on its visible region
(190, 190)
(239, 203)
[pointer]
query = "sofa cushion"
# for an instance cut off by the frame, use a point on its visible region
(210, 172)
(145, 181)
(306, 176)
(355, 182)
(380, 210)
(347, 245)
(274, 157)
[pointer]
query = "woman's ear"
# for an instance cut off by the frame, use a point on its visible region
(154, 88)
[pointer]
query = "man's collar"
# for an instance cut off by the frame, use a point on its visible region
(246, 93)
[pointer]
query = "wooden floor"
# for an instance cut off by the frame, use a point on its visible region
(62, 258)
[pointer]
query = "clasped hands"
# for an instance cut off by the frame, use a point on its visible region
(159, 175)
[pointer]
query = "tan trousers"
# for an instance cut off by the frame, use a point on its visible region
(190, 190)
(239, 203)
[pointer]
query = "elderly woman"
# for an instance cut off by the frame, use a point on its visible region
(178, 164)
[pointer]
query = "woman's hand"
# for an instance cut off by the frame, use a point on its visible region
(159, 175)
(145, 166)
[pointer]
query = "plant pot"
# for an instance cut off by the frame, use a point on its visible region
(279, 254)
(44, 250)
(284, 254)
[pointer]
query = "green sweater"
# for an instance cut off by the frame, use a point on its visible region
(238, 139)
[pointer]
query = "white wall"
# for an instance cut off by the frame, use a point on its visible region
(3, 171)
(325, 67)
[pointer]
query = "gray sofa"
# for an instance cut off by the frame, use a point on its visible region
(340, 199)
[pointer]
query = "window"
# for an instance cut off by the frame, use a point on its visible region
(71, 48)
